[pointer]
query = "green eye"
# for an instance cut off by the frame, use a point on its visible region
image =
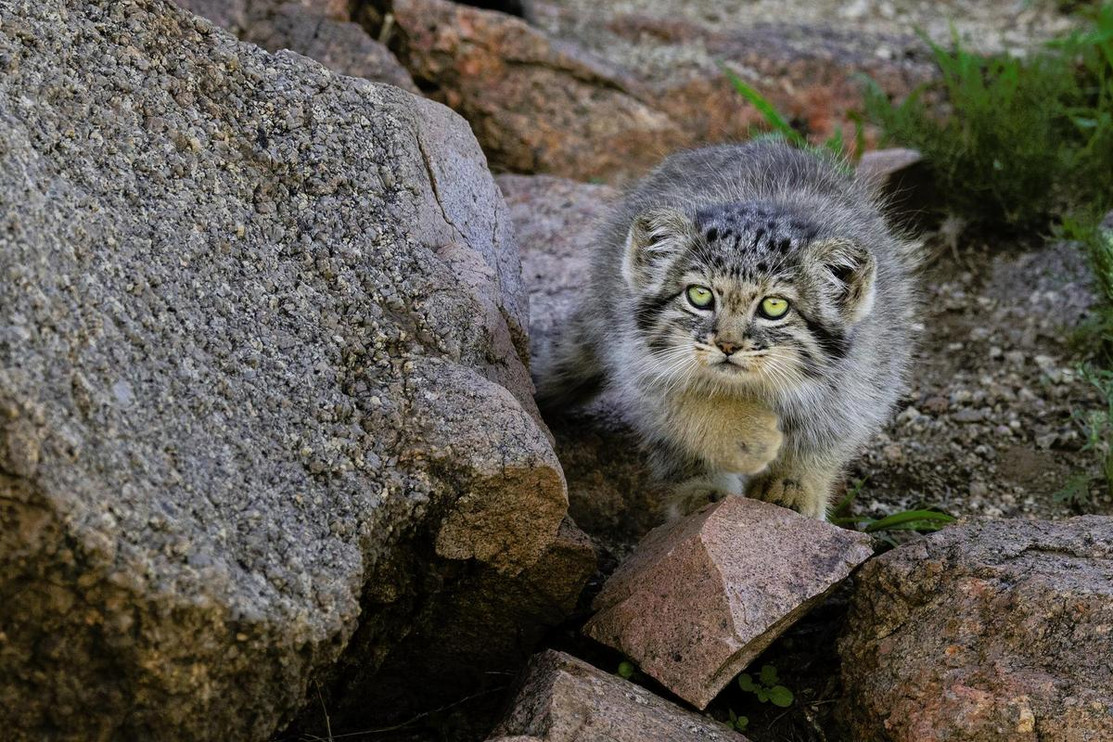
(700, 296)
(774, 307)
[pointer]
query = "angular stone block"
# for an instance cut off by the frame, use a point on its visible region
(703, 596)
(563, 699)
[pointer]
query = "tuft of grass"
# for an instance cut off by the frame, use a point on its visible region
(990, 156)
(835, 145)
(1019, 142)
(1097, 432)
(921, 520)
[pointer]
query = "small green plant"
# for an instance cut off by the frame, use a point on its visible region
(626, 669)
(766, 687)
(923, 520)
(1097, 431)
(835, 144)
(736, 722)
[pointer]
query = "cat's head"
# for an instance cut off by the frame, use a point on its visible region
(744, 295)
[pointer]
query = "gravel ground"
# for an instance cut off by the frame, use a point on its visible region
(988, 427)
(984, 25)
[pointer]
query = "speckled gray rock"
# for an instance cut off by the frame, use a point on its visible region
(564, 699)
(261, 377)
(315, 29)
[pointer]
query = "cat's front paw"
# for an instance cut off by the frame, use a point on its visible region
(692, 494)
(759, 446)
(791, 493)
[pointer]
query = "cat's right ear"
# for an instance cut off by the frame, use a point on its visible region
(656, 237)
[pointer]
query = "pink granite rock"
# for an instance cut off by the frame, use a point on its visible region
(703, 596)
(563, 699)
(989, 631)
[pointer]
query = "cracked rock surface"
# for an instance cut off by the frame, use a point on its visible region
(249, 310)
(992, 630)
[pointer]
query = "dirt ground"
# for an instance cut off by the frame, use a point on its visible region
(990, 425)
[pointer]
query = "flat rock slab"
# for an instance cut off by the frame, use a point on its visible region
(563, 699)
(996, 630)
(703, 596)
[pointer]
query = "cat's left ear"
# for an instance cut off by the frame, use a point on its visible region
(655, 238)
(848, 270)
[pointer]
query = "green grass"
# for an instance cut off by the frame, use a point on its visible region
(1015, 142)
(835, 144)
(1097, 432)
(921, 520)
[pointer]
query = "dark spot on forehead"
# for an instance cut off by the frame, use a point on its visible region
(753, 238)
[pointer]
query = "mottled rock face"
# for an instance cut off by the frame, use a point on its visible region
(996, 630)
(611, 493)
(340, 45)
(703, 596)
(261, 331)
(563, 699)
(535, 105)
(798, 56)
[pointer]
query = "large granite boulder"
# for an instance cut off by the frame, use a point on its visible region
(262, 383)
(994, 630)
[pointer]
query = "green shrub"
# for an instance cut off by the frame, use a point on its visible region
(1018, 141)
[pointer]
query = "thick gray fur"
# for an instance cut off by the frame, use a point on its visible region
(746, 220)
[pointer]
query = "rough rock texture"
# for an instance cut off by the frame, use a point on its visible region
(342, 46)
(994, 630)
(807, 64)
(982, 26)
(320, 30)
(238, 16)
(703, 596)
(611, 495)
(261, 381)
(480, 629)
(535, 105)
(563, 699)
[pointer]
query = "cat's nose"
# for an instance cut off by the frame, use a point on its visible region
(726, 347)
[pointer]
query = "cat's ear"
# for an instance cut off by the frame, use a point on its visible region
(656, 237)
(848, 271)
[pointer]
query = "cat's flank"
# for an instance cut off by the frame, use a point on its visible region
(752, 312)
